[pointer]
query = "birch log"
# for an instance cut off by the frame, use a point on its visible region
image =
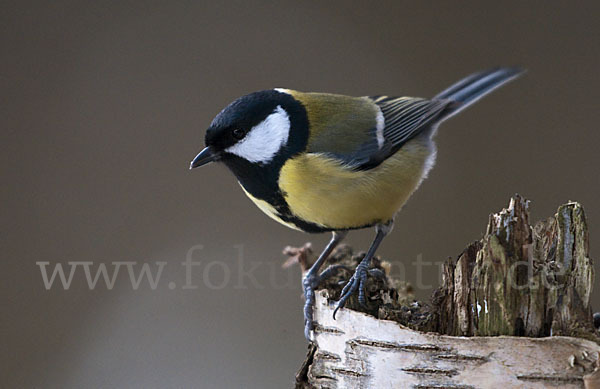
(360, 351)
(513, 311)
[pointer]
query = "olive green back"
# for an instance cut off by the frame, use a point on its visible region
(338, 124)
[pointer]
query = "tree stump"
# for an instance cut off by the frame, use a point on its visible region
(513, 311)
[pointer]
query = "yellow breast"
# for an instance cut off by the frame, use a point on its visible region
(269, 210)
(320, 190)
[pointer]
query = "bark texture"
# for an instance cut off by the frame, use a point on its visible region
(513, 310)
(521, 280)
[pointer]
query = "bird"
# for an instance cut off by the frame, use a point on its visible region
(322, 162)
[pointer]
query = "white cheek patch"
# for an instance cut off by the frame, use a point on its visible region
(265, 139)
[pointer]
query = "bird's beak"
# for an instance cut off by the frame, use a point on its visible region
(205, 156)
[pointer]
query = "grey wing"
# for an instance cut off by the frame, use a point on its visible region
(401, 119)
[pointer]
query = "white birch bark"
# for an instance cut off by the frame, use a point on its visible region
(360, 351)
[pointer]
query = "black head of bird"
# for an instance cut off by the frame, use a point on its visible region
(320, 162)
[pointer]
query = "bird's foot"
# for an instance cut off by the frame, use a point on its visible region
(357, 281)
(310, 282)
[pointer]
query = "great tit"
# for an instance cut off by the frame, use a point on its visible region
(319, 162)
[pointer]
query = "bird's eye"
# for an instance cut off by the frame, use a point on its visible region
(238, 133)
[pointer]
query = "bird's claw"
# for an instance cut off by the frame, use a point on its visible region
(357, 281)
(310, 282)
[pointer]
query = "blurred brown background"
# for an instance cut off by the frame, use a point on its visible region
(105, 103)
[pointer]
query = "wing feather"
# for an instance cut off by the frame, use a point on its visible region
(404, 118)
(367, 140)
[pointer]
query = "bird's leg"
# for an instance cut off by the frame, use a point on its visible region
(357, 281)
(312, 279)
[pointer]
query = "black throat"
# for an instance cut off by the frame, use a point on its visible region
(261, 179)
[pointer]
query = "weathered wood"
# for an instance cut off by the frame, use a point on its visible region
(520, 295)
(521, 280)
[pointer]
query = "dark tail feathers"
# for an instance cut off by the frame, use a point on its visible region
(472, 88)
